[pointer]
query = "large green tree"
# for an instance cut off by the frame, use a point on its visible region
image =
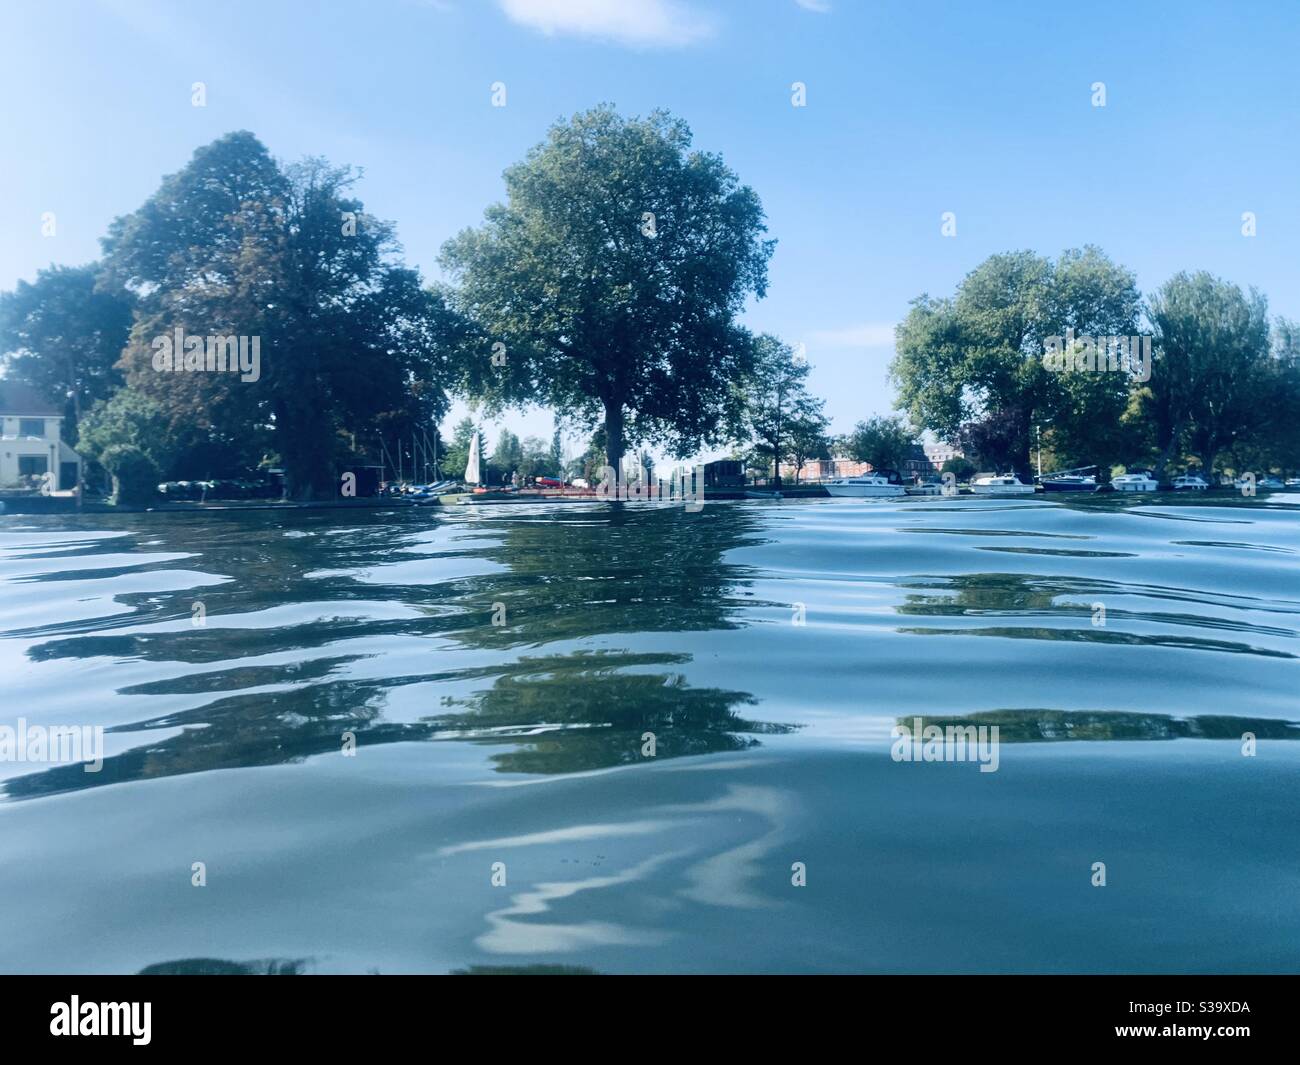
(608, 283)
(351, 344)
(1212, 366)
(978, 356)
(1276, 437)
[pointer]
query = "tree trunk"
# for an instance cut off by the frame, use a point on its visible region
(1168, 453)
(614, 437)
(305, 446)
(1025, 464)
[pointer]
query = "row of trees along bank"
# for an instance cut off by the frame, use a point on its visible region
(607, 285)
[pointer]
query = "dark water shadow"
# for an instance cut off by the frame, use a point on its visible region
(1053, 726)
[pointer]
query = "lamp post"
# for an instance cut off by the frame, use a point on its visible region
(75, 396)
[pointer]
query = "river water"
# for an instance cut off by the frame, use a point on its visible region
(416, 740)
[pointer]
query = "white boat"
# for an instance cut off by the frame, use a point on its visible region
(867, 484)
(928, 488)
(1000, 484)
(1189, 482)
(1134, 482)
(1293, 482)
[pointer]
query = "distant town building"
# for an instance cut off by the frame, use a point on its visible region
(825, 469)
(30, 444)
(938, 454)
(917, 465)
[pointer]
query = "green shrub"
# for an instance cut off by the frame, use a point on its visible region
(135, 477)
(962, 468)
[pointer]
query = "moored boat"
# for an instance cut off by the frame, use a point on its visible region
(1075, 480)
(1135, 481)
(1000, 484)
(1190, 482)
(866, 485)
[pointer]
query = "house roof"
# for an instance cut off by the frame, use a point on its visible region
(18, 398)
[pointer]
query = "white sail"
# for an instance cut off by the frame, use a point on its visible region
(472, 473)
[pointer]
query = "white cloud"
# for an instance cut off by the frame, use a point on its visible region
(653, 23)
(868, 335)
(822, 7)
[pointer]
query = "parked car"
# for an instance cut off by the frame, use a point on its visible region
(183, 490)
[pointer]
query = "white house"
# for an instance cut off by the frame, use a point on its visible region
(30, 445)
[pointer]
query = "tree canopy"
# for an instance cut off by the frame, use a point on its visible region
(774, 404)
(63, 334)
(978, 356)
(608, 283)
(350, 342)
(884, 442)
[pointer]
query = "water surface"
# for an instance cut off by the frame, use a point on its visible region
(500, 667)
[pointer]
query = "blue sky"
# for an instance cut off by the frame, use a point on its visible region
(913, 109)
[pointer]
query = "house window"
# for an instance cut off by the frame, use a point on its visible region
(31, 427)
(32, 465)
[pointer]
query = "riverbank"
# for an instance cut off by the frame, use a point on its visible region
(36, 504)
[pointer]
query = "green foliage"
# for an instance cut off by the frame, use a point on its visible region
(808, 439)
(351, 343)
(884, 442)
(453, 462)
(602, 310)
(592, 461)
(961, 468)
(63, 333)
(535, 459)
(993, 442)
(1214, 367)
(555, 458)
(977, 357)
(135, 475)
(131, 421)
(508, 454)
(774, 404)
